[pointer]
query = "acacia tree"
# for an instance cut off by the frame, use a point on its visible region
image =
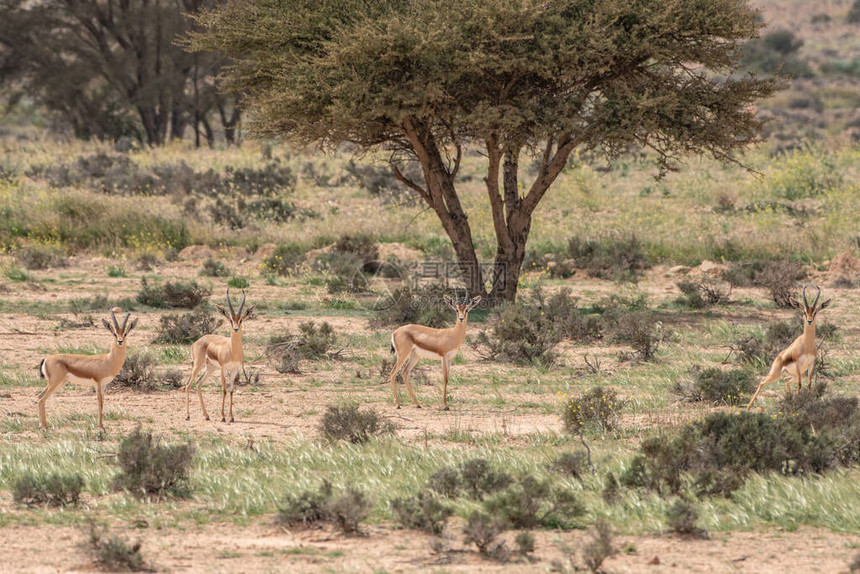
(426, 80)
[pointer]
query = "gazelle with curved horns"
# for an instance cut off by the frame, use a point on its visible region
(801, 354)
(412, 342)
(98, 370)
(225, 352)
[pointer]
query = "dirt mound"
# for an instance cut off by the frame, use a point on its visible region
(844, 267)
(196, 252)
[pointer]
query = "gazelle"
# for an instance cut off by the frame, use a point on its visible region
(225, 352)
(801, 354)
(412, 342)
(86, 369)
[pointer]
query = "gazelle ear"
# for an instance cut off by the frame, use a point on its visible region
(474, 302)
(825, 304)
(107, 325)
(130, 327)
(448, 301)
(221, 310)
(249, 313)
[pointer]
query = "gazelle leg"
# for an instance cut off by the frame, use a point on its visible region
(200, 381)
(413, 358)
(101, 399)
(223, 394)
(233, 378)
(401, 358)
(799, 374)
(773, 375)
(809, 374)
(43, 398)
(445, 367)
(195, 370)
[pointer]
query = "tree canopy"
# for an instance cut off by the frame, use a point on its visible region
(426, 79)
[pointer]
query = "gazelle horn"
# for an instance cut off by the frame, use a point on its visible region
(242, 304)
(817, 296)
(113, 318)
(230, 304)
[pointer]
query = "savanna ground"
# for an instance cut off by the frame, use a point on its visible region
(122, 217)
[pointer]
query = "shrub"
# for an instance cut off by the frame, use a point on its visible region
(600, 547)
(306, 507)
(714, 385)
(342, 272)
(422, 305)
(854, 18)
(349, 423)
(854, 567)
(612, 257)
(149, 468)
(525, 542)
(114, 553)
(703, 293)
(482, 530)
(446, 481)
(572, 464)
(530, 502)
(611, 489)
(284, 260)
(597, 409)
(760, 351)
(41, 257)
(528, 332)
(313, 342)
(184, 328)
(214, 268)
(172, 294)
(138, 372)
(423, 512)
(479, 478)
(116, 271)
(682, 518)
(630, 320)
(349, 509)
(238, 282)
(780, 279)
(53, 489)
(363, 247)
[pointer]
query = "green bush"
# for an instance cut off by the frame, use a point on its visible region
(172, 294)
(714, 385)
(53, 489)
(349, 423)
(184, 328)
(597, 409)
(529, 502)
(527, 333)
(313, 342)
(214, 268)
(149, 468)
(349, 509)
(284, 260)
(138, 372)
(422, 305)
(614, 257)
(630, 320)
(423, 512)
(478, 478)
(305, 507)
(600, 547)
(482, 530)
(682, 519)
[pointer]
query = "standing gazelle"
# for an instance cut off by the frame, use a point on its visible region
(412, 342)
(98, 370)
(801, 354)
(225, 352)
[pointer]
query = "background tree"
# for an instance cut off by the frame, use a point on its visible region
(112, 68)
(510, 77)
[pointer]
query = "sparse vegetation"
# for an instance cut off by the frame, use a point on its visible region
(425, 511)
(172, 294)
(184, 328)
(350, 423)
(114, 553)
(53, 489)
(597, 409)
(148, 468)
(717, 386)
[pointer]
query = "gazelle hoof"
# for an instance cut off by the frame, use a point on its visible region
(223, 420)
(231, 420)
(398, 406)
(417, 406)
(188, 418)
(446, 408)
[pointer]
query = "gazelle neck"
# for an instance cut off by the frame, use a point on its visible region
(809, 335)
(238, 353)
(116, 356)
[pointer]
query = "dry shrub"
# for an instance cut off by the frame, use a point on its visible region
(138, 372)
(703, 293)
(530, 502)
(313, 342)
(422, 305)
(172, 294)
(683, 518)
(780, 279)
(41, 257)
(615, 257)
(630, 320)
(214, 268)
(149, 468)
(285, 260)
(482, 530)
(350, 423)
(600, 547)
(305, 507)
(114, 553)
(349, 509)
(572, 464)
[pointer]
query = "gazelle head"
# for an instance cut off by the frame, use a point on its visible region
(462, 308)
(810, 311)
(119, 332)
(236, 318)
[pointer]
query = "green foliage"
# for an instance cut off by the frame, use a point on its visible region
(482, 529)
(804, 174)
(702, 293)
(349, 509)
(527, 333)
(422, 305)
(776, 53)
(597, 409)
(214, 268)
(55, 489)
(172, 294)
(572, 464)
(525, 542)
(116, 271)
(148, 468)
(349, 423)
(612, 257)
(284, 260)
(423, 512)
(682, 518)
(304, 508)
(184, 328)
(113, 552)
(530, 502)
(446, 482)
(758, 352)
(478, 478)
(716, 386)
(313, 342)
(41, 257)
(854, 18)
(238, 282)
(630, 320)
(138, 372)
